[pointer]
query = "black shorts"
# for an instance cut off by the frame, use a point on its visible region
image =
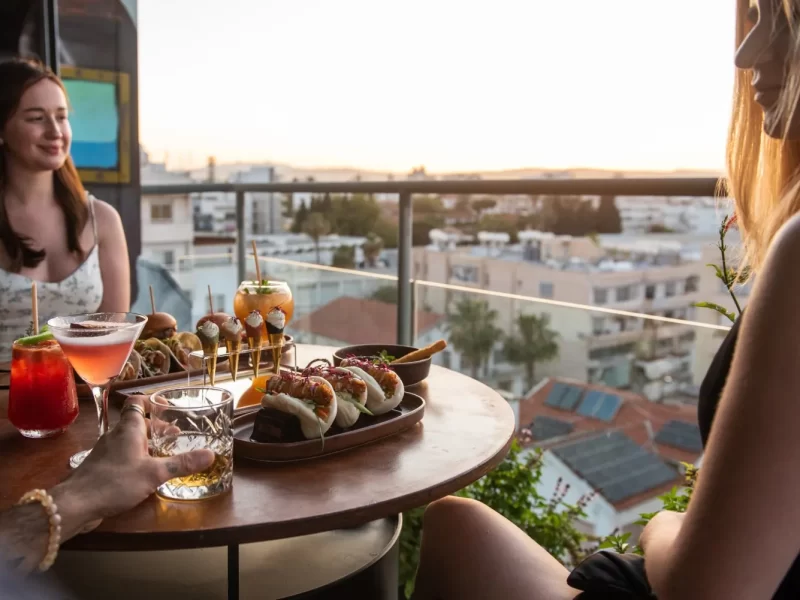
(607, 575)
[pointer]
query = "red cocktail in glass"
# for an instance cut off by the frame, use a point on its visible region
(42, 400)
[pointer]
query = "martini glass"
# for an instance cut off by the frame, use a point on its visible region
(97, 345)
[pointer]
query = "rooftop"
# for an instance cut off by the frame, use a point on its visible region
(573, 419)
(360, 321)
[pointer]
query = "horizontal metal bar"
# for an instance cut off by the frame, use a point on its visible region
(665, 186)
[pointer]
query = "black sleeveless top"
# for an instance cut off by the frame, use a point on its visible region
(710, 393)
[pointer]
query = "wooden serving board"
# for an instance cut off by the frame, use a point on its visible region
(366, 430)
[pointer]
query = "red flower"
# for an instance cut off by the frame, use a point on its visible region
(731, 222)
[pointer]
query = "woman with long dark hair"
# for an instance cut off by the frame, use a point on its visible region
(51, 230)
(740, 537)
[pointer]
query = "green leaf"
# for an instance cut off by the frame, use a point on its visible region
(361, 408)
(720, 309)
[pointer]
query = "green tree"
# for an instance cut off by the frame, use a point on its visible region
(355, 215)
(533, 342)
(608, 218)
(316, 226)
(300, 218)
(344, 257)
(473, 332)
(509, 224)
(372, 249)
(386, 294)
(420, 233)
(512, 489)
(428, 204)
(386, 230)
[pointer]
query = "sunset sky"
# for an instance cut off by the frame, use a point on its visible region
(451, 84)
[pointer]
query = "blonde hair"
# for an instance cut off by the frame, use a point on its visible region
(763, 172)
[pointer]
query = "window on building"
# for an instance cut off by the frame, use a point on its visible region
(624, 293)
(669, 289)
(598, 325)
(161, 212)
(219, 302)
(446, 359)
(692, 284)
(650, 292)
(546, 289)
(465, 273)
(600, 295)
(169, 258)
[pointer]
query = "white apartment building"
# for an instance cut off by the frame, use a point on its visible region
(640, 214)
(167, 228)
(617, 272)
(215, 212)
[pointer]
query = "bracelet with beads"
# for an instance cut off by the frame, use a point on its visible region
(54, 538)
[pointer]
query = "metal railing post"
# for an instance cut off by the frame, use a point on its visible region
(241, 241)
(404, 261)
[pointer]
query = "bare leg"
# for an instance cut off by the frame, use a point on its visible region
(471, 552)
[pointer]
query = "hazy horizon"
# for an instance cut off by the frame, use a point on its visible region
(385, 86)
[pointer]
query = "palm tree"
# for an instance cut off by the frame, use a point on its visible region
(372, 249)
(315, 227)
(473, 332)
(533, 342)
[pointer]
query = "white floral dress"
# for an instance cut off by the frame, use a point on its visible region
(80, 292)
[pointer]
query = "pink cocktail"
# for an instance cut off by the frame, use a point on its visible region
(98, 346)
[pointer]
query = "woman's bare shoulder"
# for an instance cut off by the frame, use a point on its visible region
(108, 219)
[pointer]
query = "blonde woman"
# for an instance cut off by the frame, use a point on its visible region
(740, 537)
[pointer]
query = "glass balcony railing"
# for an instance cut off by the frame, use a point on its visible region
(593, 339)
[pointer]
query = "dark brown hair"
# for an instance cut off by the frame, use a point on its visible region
(16, 77)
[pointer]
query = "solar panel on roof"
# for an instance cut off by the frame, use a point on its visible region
(590, 403)
(608, 408)
(615, 465)
(554, 397)
(570, 399)
(544, 428)
(682, 435)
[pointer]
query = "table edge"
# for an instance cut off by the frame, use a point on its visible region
(246, 534)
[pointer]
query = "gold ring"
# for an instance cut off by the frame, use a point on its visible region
(134, 407)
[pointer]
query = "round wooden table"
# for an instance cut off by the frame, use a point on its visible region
(466, 431)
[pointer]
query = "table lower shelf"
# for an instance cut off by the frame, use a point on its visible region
(313, 566)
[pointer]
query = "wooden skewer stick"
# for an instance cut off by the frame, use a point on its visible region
(258, 268)
(152, 301)
(35, 308)
(210, 301)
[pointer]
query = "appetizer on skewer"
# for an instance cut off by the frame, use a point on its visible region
(295, 408)
(276, 322)
(385, 390)
(253, 325)
(350, 390)
(208, 333)
(232, 333)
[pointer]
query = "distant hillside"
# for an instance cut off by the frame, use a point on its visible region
(287, 173)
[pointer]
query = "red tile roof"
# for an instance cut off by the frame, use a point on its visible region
(638, 418)
(360, 321)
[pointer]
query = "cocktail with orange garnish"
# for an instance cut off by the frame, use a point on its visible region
(263, 297)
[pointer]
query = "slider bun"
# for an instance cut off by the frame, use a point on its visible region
(376, 399)
(346, 413)
(157, 324)
(309, 422)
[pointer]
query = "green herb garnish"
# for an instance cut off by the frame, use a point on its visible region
(361, 408)
(383, 358)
